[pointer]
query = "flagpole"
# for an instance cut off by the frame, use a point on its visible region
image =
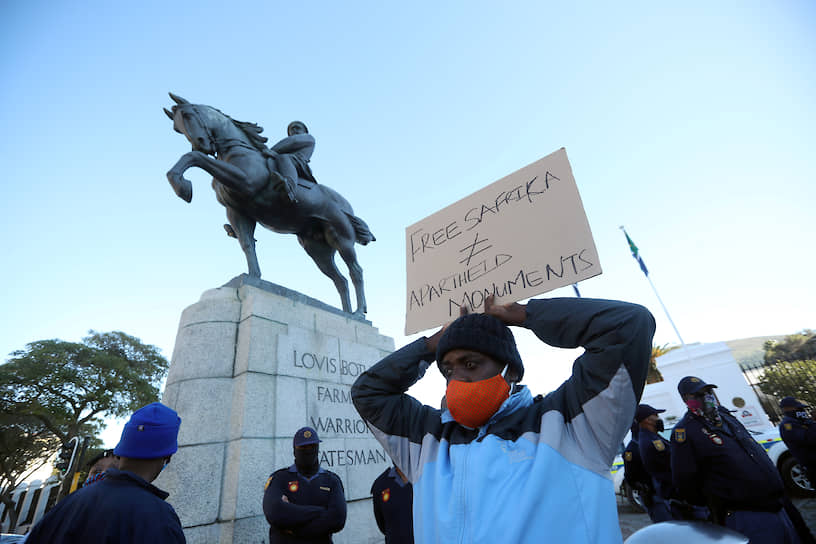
(667, 313)
(637, 257)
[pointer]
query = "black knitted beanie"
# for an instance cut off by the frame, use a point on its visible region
(485, 334)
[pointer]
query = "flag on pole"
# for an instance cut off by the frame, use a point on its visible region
(634, 249)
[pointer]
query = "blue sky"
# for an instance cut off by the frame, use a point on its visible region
(692, 125)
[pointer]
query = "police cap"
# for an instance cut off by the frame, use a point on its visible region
(644, 410)
(305, 436)
(790, 402)
(692, 384)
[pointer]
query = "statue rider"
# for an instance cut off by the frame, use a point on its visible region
(291, 159)
(287, 160)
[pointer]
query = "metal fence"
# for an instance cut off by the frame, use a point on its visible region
(773, 381)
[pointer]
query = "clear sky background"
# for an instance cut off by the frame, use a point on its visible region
(692, 125)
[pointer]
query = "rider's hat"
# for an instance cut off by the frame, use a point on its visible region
(293, 123)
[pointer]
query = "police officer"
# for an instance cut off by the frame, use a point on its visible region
(393, 498)
(304, 502)
(635, 474)
(655, 453)
(798, 431)
(715, 460)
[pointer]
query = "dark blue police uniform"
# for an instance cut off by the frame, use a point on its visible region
(639, 479)
(726, 468)
(633, 466)
(122, 507)
(655, 453)
(393, 501)
(799, 434)
(316, 506)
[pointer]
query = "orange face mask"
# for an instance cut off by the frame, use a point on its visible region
(473, 403)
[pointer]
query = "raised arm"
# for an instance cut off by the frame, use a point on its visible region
(397, 420)
(599, 399)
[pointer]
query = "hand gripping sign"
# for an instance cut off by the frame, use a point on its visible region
(521, 236)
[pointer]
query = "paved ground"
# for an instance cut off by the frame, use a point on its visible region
(632, 520)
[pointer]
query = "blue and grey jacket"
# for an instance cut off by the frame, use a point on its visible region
(539, 469)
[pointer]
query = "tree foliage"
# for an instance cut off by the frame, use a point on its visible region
(57, 390)
(790, 367)
(794, 347)
(654, 374)
(25, 446)
(791, 379)
(67, 384)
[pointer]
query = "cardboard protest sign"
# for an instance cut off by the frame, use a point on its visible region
(521, 236)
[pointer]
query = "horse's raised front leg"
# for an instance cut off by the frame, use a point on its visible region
(229, 175)
(244, 229)
(323, 256)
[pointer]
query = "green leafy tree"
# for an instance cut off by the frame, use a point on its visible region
(794, 347)
(25, 446)
(654, 374)
(69, 387)
(791, 379)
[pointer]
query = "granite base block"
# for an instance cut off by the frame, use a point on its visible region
(193, 479)
(253, 363)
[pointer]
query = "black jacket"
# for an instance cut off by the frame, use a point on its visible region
(723, 466)
(121, 508)
(800, 437)
(393, 501)
(316, 506)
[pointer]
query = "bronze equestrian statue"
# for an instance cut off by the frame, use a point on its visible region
(273, 187)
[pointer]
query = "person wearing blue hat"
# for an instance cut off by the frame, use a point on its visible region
(124, 506)
(496, 464)
(304, 503)
(798, 431)
(716, 462)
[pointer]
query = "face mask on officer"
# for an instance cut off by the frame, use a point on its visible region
(306, 459)
(705, 404)
(659, 426)
(710, 403)
(91, 479)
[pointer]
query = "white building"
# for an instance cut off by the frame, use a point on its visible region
(714, 364)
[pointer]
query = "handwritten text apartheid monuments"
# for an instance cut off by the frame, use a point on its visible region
(523, 235)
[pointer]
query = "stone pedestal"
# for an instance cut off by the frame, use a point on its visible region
(254, 362)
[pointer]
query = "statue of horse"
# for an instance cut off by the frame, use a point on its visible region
(235, 154)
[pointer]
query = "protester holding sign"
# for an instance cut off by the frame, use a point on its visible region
(497, 465)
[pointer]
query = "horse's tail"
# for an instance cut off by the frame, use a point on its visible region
(361, 231)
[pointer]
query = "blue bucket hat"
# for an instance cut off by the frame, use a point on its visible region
(151, 433)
